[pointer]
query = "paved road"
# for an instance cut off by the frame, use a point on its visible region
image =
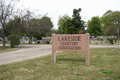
(25, 52)
(103, 46)
(31, 51)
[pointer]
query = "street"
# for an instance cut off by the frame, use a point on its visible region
(32, 51)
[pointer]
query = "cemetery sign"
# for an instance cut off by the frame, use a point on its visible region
(70, 42)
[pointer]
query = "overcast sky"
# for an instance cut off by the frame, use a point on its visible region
(56, 8)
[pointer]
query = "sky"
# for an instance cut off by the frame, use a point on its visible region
(56, 8)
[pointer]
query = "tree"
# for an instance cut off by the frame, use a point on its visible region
(116, 17)
(78, 24)
(110, 21)
(45, 26)
(14, 40)
(94, 27)
(35, 26)
(116, 23)
(39, 37)
(62, 24)
(14, 26)
(55, 31)
(106, 19)
(112, 30)
(30, 24)
(72, 25)
(6, 10)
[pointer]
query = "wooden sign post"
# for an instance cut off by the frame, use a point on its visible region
(71, 42)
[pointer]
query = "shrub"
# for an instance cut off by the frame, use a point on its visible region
(111, 40)
(14, 40)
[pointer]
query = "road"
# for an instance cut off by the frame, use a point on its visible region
(25, 52)
(31, 51)
(103, 46)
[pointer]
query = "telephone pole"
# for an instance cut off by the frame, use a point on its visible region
(118, 33)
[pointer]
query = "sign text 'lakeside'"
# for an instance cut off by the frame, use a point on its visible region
(69, 38)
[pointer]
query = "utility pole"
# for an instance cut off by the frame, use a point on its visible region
(118, 33)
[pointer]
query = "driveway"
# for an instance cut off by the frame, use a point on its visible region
(32, 51)
(25, 52)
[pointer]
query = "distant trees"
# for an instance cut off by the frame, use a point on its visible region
(110, 22)
(63, 24)
(14, 26)
(29, 22)
(68, 25)
(94, 26)
(45, 26)
(38, 26)
(24, 22)
(29, 25)
(112, 30)
(106, 25)
(6, 10)
(106, 19)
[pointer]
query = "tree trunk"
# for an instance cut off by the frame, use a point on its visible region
(3, 35)
(30, 39)
(12, 46)
(3, 40)
(95, 36)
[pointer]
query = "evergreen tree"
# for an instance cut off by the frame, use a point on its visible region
(68, 25)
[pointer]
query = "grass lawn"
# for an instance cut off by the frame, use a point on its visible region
(104, 65)
(7, 48)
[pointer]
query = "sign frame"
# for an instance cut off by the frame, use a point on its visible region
(82, 39)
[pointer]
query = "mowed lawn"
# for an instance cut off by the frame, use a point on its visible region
(104, 65)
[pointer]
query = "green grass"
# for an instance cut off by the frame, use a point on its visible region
(7, 48)
(117, 42)
(104, 65)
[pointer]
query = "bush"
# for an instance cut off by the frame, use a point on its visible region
(14, 40)
(39, 37)
(111, 40)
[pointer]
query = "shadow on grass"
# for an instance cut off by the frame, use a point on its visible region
(70, 59)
